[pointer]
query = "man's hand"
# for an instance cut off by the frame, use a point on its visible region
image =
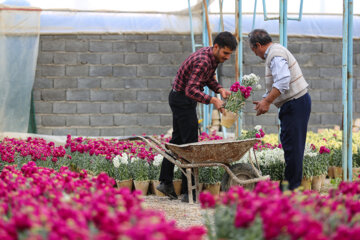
(218, 104)
(261, 107)
(224, 93)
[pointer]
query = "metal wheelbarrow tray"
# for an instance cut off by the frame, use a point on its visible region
(218, 153)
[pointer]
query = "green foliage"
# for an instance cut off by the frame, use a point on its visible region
(154, 171)
(275, 170)
(248, 134)
(177, 173)
(139, 169)
(211, 175)
(336, 157)
(222, 227)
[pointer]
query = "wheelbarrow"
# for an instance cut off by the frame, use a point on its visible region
(218, 153)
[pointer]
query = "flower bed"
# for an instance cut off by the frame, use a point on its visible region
(41, 203)
(266, 213)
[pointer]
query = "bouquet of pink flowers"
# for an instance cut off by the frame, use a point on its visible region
(242, 92)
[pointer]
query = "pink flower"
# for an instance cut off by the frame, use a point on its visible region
(207, 200)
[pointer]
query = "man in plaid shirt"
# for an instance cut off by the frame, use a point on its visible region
(196, 72)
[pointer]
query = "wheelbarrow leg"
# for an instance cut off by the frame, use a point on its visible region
(190, 187)
(197, 185)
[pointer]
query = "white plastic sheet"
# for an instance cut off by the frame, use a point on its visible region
(19, 41)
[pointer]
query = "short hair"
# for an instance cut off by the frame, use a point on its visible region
(259, 36)
(226, 39)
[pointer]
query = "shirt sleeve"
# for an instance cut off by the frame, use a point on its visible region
(213, 84)
(281, 74)
(193, 88)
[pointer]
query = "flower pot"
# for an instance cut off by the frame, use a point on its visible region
(356, 173)
(316, 183)
(323, 177)
(153, 185)
(331, 171)
(338, 172)
(306, 183)
(125, 184)
(177, 186)
(213, 188)
(143, 186)
(228, 118)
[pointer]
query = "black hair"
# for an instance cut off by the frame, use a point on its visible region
(259, 36)
(226, 39)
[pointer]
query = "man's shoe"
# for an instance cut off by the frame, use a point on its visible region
(185, 198)
(168, 190)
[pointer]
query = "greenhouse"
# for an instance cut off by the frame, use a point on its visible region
(186, 119)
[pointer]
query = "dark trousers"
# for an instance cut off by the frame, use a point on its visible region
(294, 117)
(185, 130)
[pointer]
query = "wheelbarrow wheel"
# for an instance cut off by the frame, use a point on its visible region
(243, 171)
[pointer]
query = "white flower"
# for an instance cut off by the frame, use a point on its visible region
(176, 168)
(258, 87)
(258, 127)
(116, 161)
(124, 158)
(157, 160)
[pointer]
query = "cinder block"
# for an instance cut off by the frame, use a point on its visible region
(112, 58)
(339, 108)
(64, 107)
(314, 119)
(77, 70)
(160, 59)
(43, 83)
(303, 59)
(91, 58)
(159, 108)
(52, 95)
(37, 95)
(332, 47)
(266, 119)
(45, 58)
(179, 58)
(89, 82)
(64, 131)
(321, 107)
(44, 130)
(148, 120)
(124, 46)
(65, 58)
(88, 132)
(313, 72)
(105, 71)
(88, 107)
(333, 119)
(38, 120)
(112, 83)
(145, 47)
(43, 107)
(53, 121)
(164, 83)
(293, 47)
(78, 95)
(76, 45)
(65, 83)
(147, 71)
(101, 95)
(170, 46)
(104, 120)
(251, 59)
(50, 70)
(52, 45)
(315, 95)
(137, 58)
(168, 71)
(77, 121)
(88, 36)
(321, 83)
(135, 107)
(357, 59)
(124, 71)
(112, 132)
(135, 83)
(112, 107)
(124, 95)
(148, 95)
(100, 46)
(331, 95)
(310, 48)
(165, 120)
(322, 59)
(330, 72)
(125, 120)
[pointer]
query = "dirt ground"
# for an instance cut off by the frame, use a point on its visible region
(187, 215)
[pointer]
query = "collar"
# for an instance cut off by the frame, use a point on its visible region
(267, 50)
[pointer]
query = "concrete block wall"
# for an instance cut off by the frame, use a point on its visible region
(113, 85)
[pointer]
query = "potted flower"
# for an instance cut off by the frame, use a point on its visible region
(239, 93)
(140, 173)
(211, 177)
(320, 168)
(177, 180)
(154, 173)
(308, 171)
(122, 171)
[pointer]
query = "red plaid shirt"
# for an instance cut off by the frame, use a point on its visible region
(195, 72)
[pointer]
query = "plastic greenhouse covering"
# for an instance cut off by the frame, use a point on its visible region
(19, 41)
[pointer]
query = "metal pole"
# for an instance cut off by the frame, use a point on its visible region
(205, 122)
(254, 16)
(285, 24)
(281, 22)
(191, 28)
(240, 55)
(344, 87)
(350, 87)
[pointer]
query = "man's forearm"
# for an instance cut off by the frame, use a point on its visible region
(273, 94)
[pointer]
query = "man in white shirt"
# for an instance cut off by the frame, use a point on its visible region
(286, 88)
